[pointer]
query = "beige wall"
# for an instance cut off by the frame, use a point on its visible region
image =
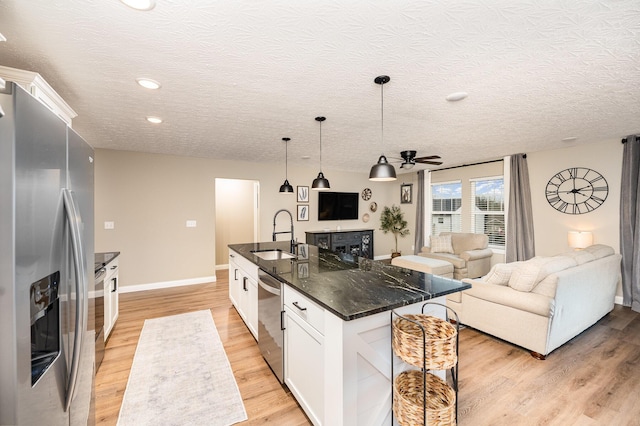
(150, 197)
(550, 225)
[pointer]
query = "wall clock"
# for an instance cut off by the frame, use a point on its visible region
(577, 190)
(366, 194)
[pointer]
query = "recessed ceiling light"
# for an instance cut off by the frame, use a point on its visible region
(154, 120)
(457, 96)
(148, 83)
(569, 139)
(140, 4)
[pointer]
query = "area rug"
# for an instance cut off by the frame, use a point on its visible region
(181, 376)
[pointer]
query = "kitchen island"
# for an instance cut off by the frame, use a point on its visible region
(337, 338)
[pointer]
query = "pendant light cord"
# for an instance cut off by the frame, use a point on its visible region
(382, 117)
(286, 160)
(320, 146)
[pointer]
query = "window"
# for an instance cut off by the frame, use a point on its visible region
(487, 216)
(446, 199)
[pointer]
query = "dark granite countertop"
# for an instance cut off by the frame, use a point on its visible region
(102, 259)
(349, 286)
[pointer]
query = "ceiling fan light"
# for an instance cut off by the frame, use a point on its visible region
(286, 187)
(320, 183)
(407, 165)
(382, 171)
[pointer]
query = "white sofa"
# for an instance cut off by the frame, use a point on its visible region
(469, 253)
(544, 302)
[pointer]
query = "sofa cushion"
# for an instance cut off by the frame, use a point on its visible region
(580, 256)
(500, 273)
(531, 272)
(547, 286)
(441, 244)
(529, 302)
(464, 241)
(600, 250)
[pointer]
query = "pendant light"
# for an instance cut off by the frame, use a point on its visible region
(286, 187)
(382, 171)
(320, 183)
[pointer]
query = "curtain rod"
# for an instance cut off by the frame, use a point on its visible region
(472, 164)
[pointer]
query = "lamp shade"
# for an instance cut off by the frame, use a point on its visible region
(286, 186)
(382, 171)
(320, 183)
(580, 239)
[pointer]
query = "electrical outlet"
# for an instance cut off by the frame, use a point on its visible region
(191, 224)
(109, 225)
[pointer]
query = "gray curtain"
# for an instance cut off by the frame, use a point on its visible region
(419, 243)
(630, 223)
(520, 241)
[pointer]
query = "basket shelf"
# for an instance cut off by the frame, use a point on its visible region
(428, 343)
(408, 404)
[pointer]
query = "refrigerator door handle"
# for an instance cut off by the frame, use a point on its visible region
(79, 263)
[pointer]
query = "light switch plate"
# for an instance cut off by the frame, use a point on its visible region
(109, 225)
(191, 224)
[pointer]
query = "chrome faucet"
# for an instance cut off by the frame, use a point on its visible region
(283, 232)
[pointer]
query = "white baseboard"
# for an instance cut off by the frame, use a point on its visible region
(166, 284)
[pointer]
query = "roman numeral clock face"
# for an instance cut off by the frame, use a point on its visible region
(577, 190)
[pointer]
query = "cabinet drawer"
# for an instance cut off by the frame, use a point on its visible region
(304, 308)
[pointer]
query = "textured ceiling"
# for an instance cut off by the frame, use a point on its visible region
(238, 75)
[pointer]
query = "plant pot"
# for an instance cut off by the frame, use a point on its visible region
(395, 254)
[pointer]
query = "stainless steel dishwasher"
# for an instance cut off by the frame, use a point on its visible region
(270, 323)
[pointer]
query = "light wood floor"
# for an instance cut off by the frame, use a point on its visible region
(592, 380)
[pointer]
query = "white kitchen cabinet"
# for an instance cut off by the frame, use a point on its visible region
(304, 353)
(110, 297)
(243, 290)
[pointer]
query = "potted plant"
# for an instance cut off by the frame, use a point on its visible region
(392, 220)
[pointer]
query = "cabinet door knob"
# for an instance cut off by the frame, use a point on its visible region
(299, 307)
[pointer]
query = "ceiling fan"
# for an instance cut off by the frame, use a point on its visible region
(409, 160)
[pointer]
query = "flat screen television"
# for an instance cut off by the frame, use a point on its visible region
(337, 205)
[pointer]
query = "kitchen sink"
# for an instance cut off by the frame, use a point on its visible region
(273, 254)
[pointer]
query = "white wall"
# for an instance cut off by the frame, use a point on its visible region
(151, 196)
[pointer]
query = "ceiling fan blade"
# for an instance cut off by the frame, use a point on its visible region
(434, 163)
(429, 157)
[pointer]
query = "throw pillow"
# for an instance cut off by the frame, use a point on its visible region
(525, 277)
(500, 273)
(441, 244)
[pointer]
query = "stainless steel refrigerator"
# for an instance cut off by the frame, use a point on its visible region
(47, 328)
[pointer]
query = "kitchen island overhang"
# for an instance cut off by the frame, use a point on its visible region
(347, 352)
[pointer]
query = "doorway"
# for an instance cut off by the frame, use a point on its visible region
(237, 213)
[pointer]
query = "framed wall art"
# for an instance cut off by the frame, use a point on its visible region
(406, 193)
(303, 212)
(303, 194)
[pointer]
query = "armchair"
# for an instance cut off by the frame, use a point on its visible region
(468, 252)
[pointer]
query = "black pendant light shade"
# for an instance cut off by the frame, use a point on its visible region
(286, 186)
(320, 183)
(382, 171)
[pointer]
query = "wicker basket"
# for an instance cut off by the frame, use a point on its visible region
(407, 400)
(440, 342)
